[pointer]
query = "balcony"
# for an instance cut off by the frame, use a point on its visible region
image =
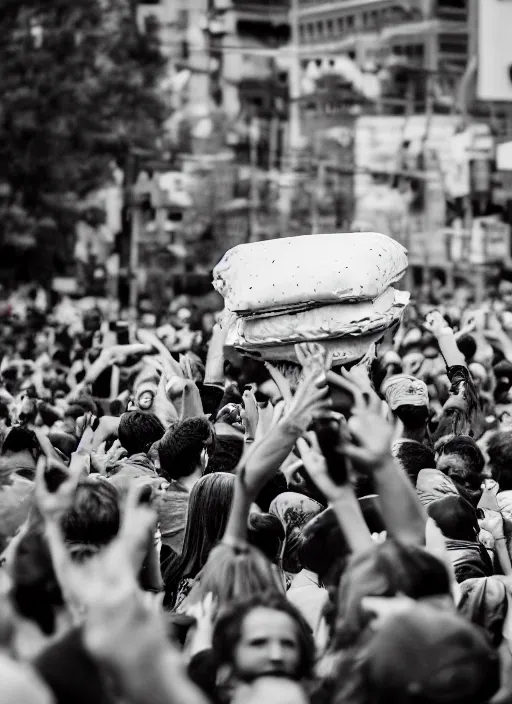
(272, 11)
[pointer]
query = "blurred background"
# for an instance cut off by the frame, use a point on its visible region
(141, 140)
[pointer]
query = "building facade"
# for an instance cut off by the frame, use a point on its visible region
(430, 37)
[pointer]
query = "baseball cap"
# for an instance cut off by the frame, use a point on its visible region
(431, 656)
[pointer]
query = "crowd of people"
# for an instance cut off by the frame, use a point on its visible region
(182, 525)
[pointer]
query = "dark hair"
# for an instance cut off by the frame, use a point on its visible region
(468, 450)
(48, 414)
(181, 447)
(499, 450)
(95, 516)
(323, 545)
(266, 533)
(467, 345)
(275, 486)
(139, 431)
(36, 592)
(455, 517)
(227, 454)
(20, 439)
(414, 457)
(83, 405)
(386, 570)
(229, 625)
(413, 417)
(208, 513)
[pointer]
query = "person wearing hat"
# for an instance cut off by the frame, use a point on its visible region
(407, 399)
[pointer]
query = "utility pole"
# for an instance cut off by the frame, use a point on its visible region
(253, 207)
(294, 133)
(134, 260)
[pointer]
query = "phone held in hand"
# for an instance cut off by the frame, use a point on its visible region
(342, 400)
(329, 439)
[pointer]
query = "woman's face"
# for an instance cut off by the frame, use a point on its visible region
(268, 645)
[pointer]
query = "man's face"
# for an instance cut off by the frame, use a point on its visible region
(268, 645)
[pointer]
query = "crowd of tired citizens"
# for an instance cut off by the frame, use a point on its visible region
(180, 528)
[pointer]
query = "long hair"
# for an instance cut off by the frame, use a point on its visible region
(232, 573)
(208, 513)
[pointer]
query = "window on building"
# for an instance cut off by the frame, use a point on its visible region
(374, 20)
(456, 44)
(151, 24)
(182, 20)
(341, 25)
(302, 32)
(364, 20)
(320, 28)
(330, 27)
(452, 9)
(350, 22)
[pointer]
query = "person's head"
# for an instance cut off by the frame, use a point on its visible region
(227, 454)
(323, 547)
(208, 512)
(467, 345)
(407, 397)
(184, 448)
(455, 517)
(94, 518)
(413, 418)
(263, 636)
(499, 452)
(461, 452)
(387, 569)
(426, 656)
(138, 431)
(235, 572)
(266, 533)
(21, 439)
(145, 395)
(294, 511)
(413, 457)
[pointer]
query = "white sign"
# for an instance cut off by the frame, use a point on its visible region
(504, 157)
(495, 50)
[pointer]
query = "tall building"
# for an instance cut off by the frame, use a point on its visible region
(430, 36)
(182, 39)
(255, 29)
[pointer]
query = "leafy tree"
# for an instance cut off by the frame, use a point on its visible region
(78, 90)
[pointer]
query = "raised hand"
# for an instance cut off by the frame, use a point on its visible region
(311, 400)
(315, 465)
(250, 416)
(435, 323)
(372, 435)
(312, 356)
(493, 524)
(55, 488)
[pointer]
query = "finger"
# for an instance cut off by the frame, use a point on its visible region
(301, 354)
(303, 448)
(345, 384)
(356, 454)
(281, 382)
